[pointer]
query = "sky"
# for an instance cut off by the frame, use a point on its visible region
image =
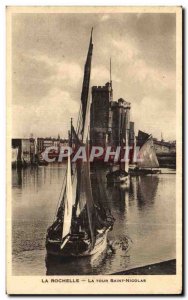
(48, 57)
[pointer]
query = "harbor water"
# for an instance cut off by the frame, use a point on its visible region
(143, 232)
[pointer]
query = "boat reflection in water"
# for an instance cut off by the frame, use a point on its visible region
(85, 265)
(146, 190)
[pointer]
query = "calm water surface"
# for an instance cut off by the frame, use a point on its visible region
(145, 218)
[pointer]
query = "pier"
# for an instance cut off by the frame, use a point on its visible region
(162, 268)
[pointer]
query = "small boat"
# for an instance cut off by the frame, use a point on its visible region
(82, 223)
(137, 171)
(42, 163)
(78, 244)
(119, 173)
(118, 176)
(147, 160)
(40, 160)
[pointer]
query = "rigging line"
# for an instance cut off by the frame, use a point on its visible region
(78, 124)
(60, 195)
(79, 120)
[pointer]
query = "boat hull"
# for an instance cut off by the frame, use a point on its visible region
(138, 172)
(121, 179)
(118, 178)
(77, 247)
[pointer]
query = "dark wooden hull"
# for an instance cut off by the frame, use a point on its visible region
(138, 172)
(77, 246)
(42, 163)
(118, 177)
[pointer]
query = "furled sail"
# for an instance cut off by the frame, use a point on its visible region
(67, 202)
(86, 81)
(147, 155)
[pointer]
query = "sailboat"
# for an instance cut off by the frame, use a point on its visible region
(147, 159)
(81, 224)
(119, 174)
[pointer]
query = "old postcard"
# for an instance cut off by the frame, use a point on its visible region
(94, 150)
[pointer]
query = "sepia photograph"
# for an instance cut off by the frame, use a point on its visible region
(94, 143)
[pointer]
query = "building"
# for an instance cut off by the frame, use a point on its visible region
(99, 114)
(119, 125)
(131, 134)
(64, 143)
(43, 143)
(25, 151)
(24, 147)
(109, 120)
(163, 147)
(57, 143)
(40, 145)
(48, 142)
(166, 153)
(142, 138)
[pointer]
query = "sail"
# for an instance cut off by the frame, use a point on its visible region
(68, 202)
(86, 81)
(74, 187)
(75, 139)
(147, 155)
(142, 137)
(78, 196)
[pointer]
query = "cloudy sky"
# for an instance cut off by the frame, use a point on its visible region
(49, 52)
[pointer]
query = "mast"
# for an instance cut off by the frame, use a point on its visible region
(71, 135)
(110, 89)
(110, 71)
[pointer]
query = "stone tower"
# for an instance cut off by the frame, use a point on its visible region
(100, 107)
